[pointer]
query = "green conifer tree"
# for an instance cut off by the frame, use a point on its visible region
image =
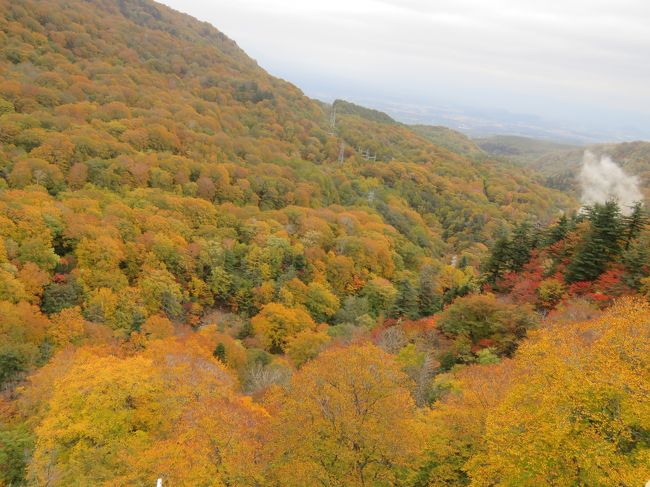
(220, 352)
(601, 245)
(429, 300)
(406, 303)
(558, 231)
(497, 262)
(520, 247)
(634, 223)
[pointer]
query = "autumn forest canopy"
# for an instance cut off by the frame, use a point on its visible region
(209, 278)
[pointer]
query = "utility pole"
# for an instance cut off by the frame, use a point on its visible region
(342, 152)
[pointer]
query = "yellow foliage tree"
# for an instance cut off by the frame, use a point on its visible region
(276, 323)
(234, 353)
(550, 292)
(23, 330)
(34, 280)
(580, 415)
(306, 345)
(458, 421)
(67, 326)
(348, 419)
(157, 326)
(171, 412)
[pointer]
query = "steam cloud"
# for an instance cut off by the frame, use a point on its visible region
(603, 180)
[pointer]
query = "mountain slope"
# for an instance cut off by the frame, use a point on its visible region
(159, 82)
(150, 167)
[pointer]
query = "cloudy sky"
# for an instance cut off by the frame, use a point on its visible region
(583, 62)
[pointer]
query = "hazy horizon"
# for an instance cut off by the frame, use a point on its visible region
(581, 65)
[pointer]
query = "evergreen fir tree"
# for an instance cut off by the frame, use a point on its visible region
(520, 247)
(601, 245)
(636, 259)
(537, 236)
(220, 352)
(497, 262)
(428, 300)
(406, 303)
(634, 223)
(559, 231)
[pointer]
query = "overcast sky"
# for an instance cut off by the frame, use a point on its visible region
(568, 60)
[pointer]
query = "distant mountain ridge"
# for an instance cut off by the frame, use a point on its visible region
(450, 139)
(520, 148)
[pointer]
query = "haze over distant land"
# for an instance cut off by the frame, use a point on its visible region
(580, 67)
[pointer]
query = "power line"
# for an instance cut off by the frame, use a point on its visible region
(365, 153)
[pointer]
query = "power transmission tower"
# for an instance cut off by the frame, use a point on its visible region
(333, 120)
(342, 152)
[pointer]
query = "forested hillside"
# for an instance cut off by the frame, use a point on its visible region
(450, 139)
(561, 168)
(597, 255)
(560, 164)
(207, 277)
(139, 144)
(523, 150)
